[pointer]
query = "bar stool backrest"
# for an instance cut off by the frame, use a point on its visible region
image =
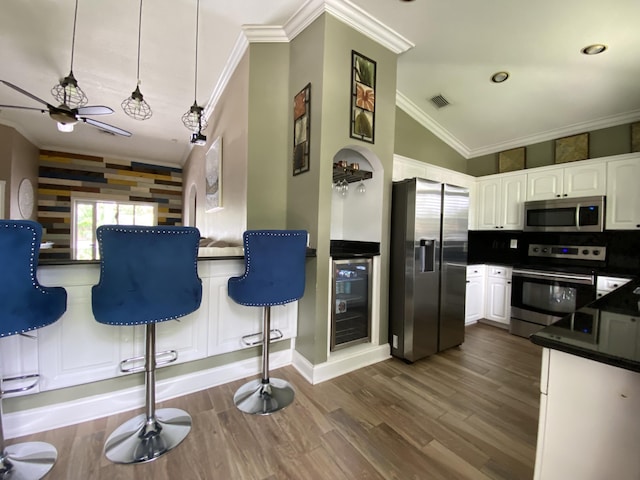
(147, 274)
(24, 303)
(274, 268)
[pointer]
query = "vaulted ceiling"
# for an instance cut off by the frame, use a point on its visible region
(447, 48)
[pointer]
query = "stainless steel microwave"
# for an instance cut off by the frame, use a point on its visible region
(581, 214)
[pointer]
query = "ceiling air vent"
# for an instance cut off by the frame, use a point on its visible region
(439, 101)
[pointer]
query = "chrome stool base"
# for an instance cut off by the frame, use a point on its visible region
(141, 439)
(258, 398)
(27, 461)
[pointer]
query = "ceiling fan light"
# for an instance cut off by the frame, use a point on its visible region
(135, 106)
(65, 127)
(68, 92)
(194, 119)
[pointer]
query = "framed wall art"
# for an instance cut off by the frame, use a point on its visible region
(511, 160)
(363, 97)
(213, 176)
(301, 130)
(570, 149)
(635, 137)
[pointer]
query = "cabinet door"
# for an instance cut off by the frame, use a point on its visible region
(544, 185)
(488, 195)
(512, 210)
(585, 180)
(618, 334)
(76, 349)
(474, 302)
(623, 195)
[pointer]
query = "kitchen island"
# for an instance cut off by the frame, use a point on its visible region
(589, 426)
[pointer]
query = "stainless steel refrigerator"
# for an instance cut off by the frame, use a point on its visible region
(429, 225)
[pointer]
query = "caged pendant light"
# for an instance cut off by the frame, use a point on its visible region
(135, 106)
(67, 92)
(194, 118)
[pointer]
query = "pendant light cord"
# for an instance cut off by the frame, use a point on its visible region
(195, 86)
(139, 36)
(73, 39)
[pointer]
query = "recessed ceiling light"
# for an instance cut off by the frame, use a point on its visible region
(594, 49)
(499, 77)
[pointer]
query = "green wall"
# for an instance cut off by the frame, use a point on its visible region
(414, 141)
(321, 55)
(268, 152)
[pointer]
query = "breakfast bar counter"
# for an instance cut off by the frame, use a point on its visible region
(590, 391)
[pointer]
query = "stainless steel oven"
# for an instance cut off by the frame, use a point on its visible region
(542, 295)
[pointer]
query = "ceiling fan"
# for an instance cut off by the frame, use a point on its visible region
(66, 116)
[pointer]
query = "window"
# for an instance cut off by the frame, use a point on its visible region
(89, 214)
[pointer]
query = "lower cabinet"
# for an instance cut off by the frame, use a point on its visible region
(498, 294)
(474, 301)
(76, 349)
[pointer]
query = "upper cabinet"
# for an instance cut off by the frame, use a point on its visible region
(623, 195)
(581, 180)
(500, 202)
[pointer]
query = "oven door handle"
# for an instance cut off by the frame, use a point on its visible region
(585, 279)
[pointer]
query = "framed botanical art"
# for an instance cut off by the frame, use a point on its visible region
(213, 176)
(363, 97)
(301, 130)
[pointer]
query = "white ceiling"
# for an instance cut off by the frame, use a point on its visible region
(452, 48)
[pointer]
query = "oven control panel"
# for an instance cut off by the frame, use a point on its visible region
(575, 252)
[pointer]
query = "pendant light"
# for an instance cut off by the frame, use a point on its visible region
(194, 119)
(67, 92)
(135, 106)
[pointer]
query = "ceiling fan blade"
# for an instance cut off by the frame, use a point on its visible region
(41, 110)
(95, 110)
(106, 127)
(24, 92)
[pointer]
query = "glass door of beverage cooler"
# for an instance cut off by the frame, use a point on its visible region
(351, 306)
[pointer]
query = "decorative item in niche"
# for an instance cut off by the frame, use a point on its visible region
(363, 97)
(511, 160)
(635, 137)
(213, 176)
(570, 149)
(301, 130)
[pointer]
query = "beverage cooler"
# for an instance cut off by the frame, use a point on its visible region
(351, 302)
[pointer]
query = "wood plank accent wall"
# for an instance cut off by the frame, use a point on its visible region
(62, 175)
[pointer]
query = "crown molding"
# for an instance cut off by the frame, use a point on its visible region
(427, 122)
(265, 34)
(366, 24)
(605, 122)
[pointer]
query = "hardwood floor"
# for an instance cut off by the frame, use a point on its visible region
(468, 413)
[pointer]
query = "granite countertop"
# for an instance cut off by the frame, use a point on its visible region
(607, 330)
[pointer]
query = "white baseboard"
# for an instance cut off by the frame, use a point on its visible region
(27, 422)
(341, 362)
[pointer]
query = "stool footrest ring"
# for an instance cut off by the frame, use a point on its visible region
(171, 354)
(21, 377)
(274, 334)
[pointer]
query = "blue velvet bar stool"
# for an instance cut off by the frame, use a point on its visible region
(25, 305)
(148, 275)
(274, 275)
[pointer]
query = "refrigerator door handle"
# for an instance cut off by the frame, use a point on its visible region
(427, 255)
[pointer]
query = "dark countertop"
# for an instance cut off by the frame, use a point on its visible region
(607, 330)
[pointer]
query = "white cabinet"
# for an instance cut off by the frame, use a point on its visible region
(498, 294)
(590, 408)
(500, 202)
(605, 285)
(623, 194)
(582, 180)
(474, 301)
